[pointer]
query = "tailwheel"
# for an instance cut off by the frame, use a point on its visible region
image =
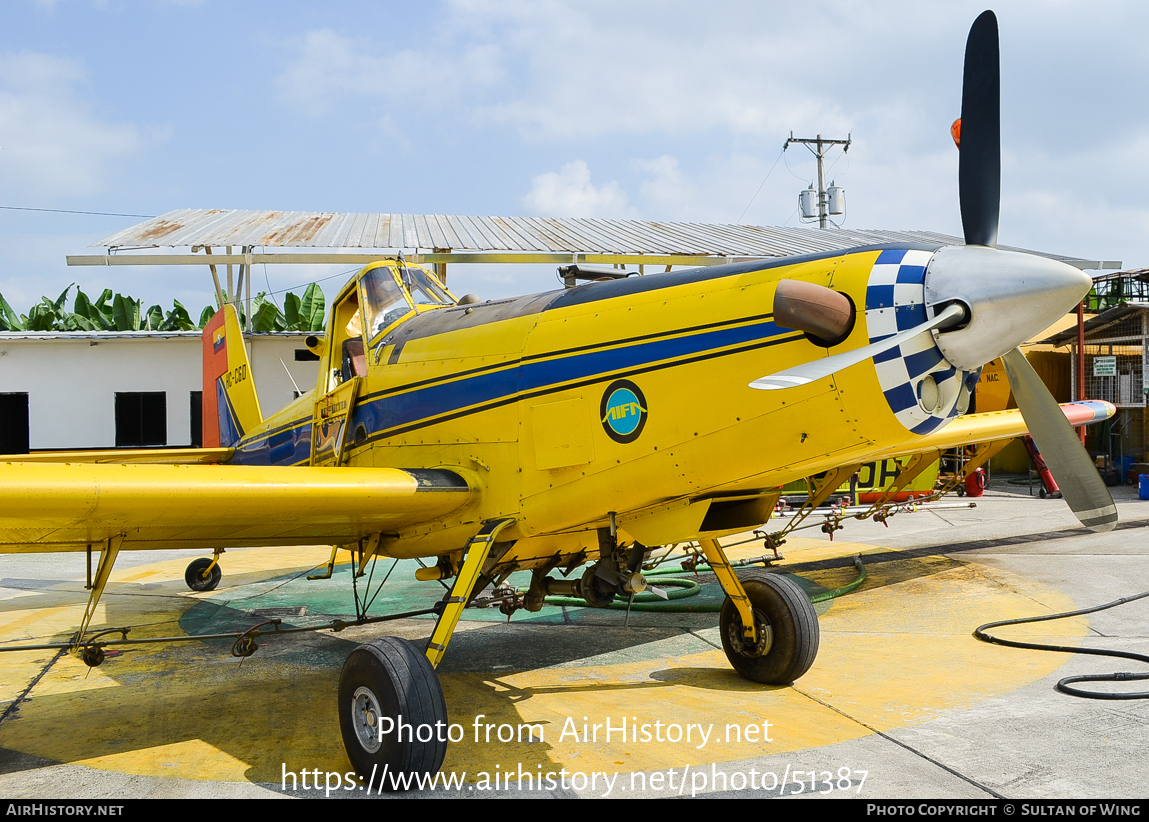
(199, 578)
(787, 629)
(391, 711)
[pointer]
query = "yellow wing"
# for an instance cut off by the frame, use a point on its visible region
(66, 507)
(996, 425)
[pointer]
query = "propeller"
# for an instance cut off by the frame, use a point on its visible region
(985, 301)
(1081, 486)
(979, 187)
(979, 158)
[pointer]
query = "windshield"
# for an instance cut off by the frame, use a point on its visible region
(425, 289)
(383, 298)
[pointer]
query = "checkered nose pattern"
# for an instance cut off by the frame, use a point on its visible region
(895, 301)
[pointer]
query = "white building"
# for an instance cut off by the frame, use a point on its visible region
(110, 389)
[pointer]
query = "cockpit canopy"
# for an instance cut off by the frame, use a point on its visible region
(383, 295)
(392, 291)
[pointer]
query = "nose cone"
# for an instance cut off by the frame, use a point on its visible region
(1011, 297)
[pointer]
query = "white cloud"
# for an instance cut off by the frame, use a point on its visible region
(331, 69)
(54, 142)
(752, 69)
(570, 193)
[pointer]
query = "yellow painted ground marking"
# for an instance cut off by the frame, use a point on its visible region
(235, 565)
(180, 758)
(27, 621)
(803, 549)
(690, 690)
(895, 652)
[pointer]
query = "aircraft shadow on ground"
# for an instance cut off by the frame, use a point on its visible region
(278, 707)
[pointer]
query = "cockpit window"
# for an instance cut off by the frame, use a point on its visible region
(384, 300)
(424, 289)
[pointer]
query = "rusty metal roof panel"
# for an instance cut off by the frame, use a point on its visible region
(347, 232)
(302, 229)
(299, 229)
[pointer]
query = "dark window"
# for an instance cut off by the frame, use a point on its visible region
(197, 419)
(141, 418)
(13, 423)
(304, 355)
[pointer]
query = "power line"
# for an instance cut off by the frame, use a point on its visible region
(764, 179)
(69, 211)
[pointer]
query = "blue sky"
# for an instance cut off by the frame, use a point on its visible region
(669, 111)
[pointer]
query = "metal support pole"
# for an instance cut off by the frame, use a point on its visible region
(820, 153)
(821, 185)
(246, 269)
(231, 295)
(441, 268)
(1080, 370)
(215, 279)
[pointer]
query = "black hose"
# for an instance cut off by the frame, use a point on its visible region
(1064, 684)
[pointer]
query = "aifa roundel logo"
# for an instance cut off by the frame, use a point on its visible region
(623, 411)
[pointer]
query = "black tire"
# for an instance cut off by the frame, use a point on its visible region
(782, 607)
(392, 679)
(195, 578)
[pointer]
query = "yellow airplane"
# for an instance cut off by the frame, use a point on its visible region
(582, 427)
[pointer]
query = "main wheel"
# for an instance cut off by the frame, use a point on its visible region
(196, 577)
(391, 712)
(787, 629)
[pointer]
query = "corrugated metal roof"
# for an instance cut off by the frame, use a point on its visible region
(303, 229)
(1098, 322)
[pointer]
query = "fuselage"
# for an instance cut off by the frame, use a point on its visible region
(627, 396)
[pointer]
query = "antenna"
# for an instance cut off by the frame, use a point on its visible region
(298, 393)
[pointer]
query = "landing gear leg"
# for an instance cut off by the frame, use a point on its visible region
(768, 625)
(108, 554)
(478, 548)
(330, 565)
(391, 709)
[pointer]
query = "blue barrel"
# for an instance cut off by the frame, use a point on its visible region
(1143, 489)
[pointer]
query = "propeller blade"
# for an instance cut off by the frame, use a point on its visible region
(1081, 485)
(817, 369)
(979, 158)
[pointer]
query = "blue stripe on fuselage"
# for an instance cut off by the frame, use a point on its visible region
(285, 446)
(384, 414)
(381, 415)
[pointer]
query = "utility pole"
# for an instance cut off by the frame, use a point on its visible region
(819, 152)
